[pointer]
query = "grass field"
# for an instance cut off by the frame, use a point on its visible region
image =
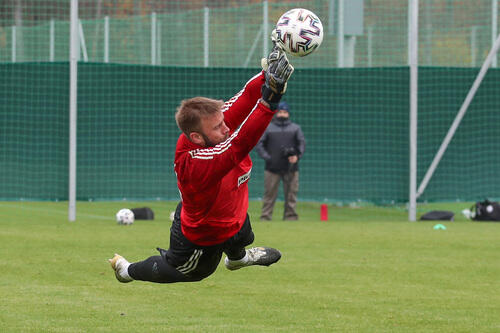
(366, 270)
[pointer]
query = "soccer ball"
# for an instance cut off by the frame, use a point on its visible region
(125, 216)
(299, 32)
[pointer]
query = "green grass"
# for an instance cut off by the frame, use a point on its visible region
(366, 270)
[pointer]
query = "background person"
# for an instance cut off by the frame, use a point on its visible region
(281, 146)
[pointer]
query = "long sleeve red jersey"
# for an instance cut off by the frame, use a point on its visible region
(213, 181)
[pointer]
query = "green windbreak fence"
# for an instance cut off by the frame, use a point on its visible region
(355, 121)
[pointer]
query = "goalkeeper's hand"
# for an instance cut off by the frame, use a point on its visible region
(275, 39)
(277, 71)
(264, 62)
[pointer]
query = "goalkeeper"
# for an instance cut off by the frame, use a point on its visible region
(213, 167)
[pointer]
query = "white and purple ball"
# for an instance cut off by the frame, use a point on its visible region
(299, 32)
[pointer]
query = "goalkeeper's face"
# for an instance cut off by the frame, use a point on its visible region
(213, 130)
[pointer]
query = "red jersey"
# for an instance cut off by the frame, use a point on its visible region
(213, 181)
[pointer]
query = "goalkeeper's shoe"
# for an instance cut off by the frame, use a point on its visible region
(120, 266)
(263, 256)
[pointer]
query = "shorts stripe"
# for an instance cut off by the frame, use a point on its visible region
(192, 262)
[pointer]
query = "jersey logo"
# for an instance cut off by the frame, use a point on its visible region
(244, 178)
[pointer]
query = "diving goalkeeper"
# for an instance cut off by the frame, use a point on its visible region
(213, 167)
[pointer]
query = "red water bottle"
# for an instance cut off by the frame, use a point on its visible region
(324, 212)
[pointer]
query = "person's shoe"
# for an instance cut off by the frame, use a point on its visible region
(120, 266)
(262, 256)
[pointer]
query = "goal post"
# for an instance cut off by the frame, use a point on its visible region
(74, 53)
(413, 61)
(456, 122)
(490, 61)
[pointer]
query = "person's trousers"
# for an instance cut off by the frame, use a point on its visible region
(290, 189)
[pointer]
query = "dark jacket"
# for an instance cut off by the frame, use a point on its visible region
(280, 140)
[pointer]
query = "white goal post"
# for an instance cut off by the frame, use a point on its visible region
(413, 62)
(451, 132)
(74, 53)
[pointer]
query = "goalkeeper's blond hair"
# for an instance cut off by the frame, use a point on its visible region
(190, 111)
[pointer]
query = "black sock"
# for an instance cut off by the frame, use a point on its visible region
(236, 254)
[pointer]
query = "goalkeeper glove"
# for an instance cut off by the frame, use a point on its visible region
(277, 71)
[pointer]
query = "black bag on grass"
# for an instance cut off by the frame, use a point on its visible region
(438, 215)
(486, 211)
(143, 213)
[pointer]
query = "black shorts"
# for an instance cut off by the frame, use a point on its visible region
(197, 262)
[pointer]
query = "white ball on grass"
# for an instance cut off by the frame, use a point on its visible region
(125, 216)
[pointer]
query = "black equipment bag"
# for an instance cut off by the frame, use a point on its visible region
(438, 215)
(486, 211)
(143, 213)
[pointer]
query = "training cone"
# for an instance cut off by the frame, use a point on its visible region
(439, 227)
(324, 212)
